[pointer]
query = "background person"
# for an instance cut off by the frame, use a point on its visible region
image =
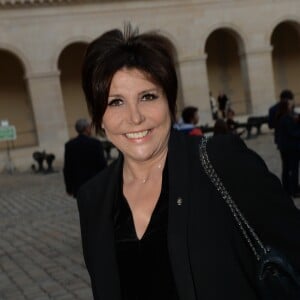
(288, 142)
(285, 95)
(189, 118)
(83, 158)
(213, 107)
(220, 127)
(233, 125)
(223, 102)
(152, 224)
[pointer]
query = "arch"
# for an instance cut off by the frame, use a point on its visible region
(277, 22)
(60, 48)
(19, 55)
(285, 40)
(231, 28)
(69, 64)
(15, 104)
(227, 68)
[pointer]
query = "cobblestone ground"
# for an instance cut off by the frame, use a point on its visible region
(40, 246)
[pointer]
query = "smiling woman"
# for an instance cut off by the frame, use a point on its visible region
(152, 224)
(137, 119)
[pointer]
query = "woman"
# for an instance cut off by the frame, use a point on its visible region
(153, 226)
(288, 140)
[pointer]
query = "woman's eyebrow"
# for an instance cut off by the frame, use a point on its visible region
(149, 90)
(140, 93)
(114, 95)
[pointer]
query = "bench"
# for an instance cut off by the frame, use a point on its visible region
(255, 122)
(252, 122)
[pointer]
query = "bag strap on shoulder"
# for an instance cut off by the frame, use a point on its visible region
(247, 231)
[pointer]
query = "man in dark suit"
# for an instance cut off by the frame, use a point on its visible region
(84, 158)
(285, 95)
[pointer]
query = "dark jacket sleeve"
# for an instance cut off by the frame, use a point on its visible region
(95, 204)
(259, 195)
(67, 171)
(84, 228)
(272, 115)
(101, 161)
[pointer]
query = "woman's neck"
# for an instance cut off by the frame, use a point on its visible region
(142, 172)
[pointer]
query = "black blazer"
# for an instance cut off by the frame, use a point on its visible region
(209, 257)
(83, 159)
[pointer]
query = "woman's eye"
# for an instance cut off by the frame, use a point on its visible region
(149, 96)
(115, 102)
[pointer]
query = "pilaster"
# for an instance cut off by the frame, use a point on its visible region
(47, 103)
(261, 80)
(193, 72)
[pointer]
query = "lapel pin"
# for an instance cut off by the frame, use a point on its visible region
(179, 201)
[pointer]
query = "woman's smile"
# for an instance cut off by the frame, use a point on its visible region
(137, 135)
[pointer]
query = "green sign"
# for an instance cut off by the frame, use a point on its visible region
(7, 133)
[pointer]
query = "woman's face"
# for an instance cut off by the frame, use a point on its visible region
(137, 118)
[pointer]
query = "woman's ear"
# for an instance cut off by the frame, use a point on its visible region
(102, 130)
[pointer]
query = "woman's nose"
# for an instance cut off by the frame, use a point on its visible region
(136, 114)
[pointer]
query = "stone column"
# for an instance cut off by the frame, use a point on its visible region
(193, 73)
(261, 80)
(47, 104)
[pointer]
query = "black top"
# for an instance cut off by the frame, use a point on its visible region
(144, 265)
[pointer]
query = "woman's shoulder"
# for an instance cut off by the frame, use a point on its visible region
(94, 189)
(226, 144)
(230, 154)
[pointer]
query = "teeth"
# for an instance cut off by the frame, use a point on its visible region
(137, 135)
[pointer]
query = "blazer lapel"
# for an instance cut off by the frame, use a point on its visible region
(178, 216)
(103, 248)
(197, 221)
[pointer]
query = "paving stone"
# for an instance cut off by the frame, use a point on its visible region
(40, 246)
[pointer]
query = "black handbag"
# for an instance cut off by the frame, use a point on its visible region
(276, 277)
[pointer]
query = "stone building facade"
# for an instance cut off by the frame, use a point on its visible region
(248, 49)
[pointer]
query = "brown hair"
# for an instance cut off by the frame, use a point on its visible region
(151, 53)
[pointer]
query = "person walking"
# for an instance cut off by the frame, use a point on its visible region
(83, 158)
(287, 127)
(223, 103)
(213, 107)
(285, 95)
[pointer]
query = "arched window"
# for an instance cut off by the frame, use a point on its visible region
(69, 64)
(226, 68)
(15, 105)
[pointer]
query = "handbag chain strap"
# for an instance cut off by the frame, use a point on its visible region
(247, 231)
